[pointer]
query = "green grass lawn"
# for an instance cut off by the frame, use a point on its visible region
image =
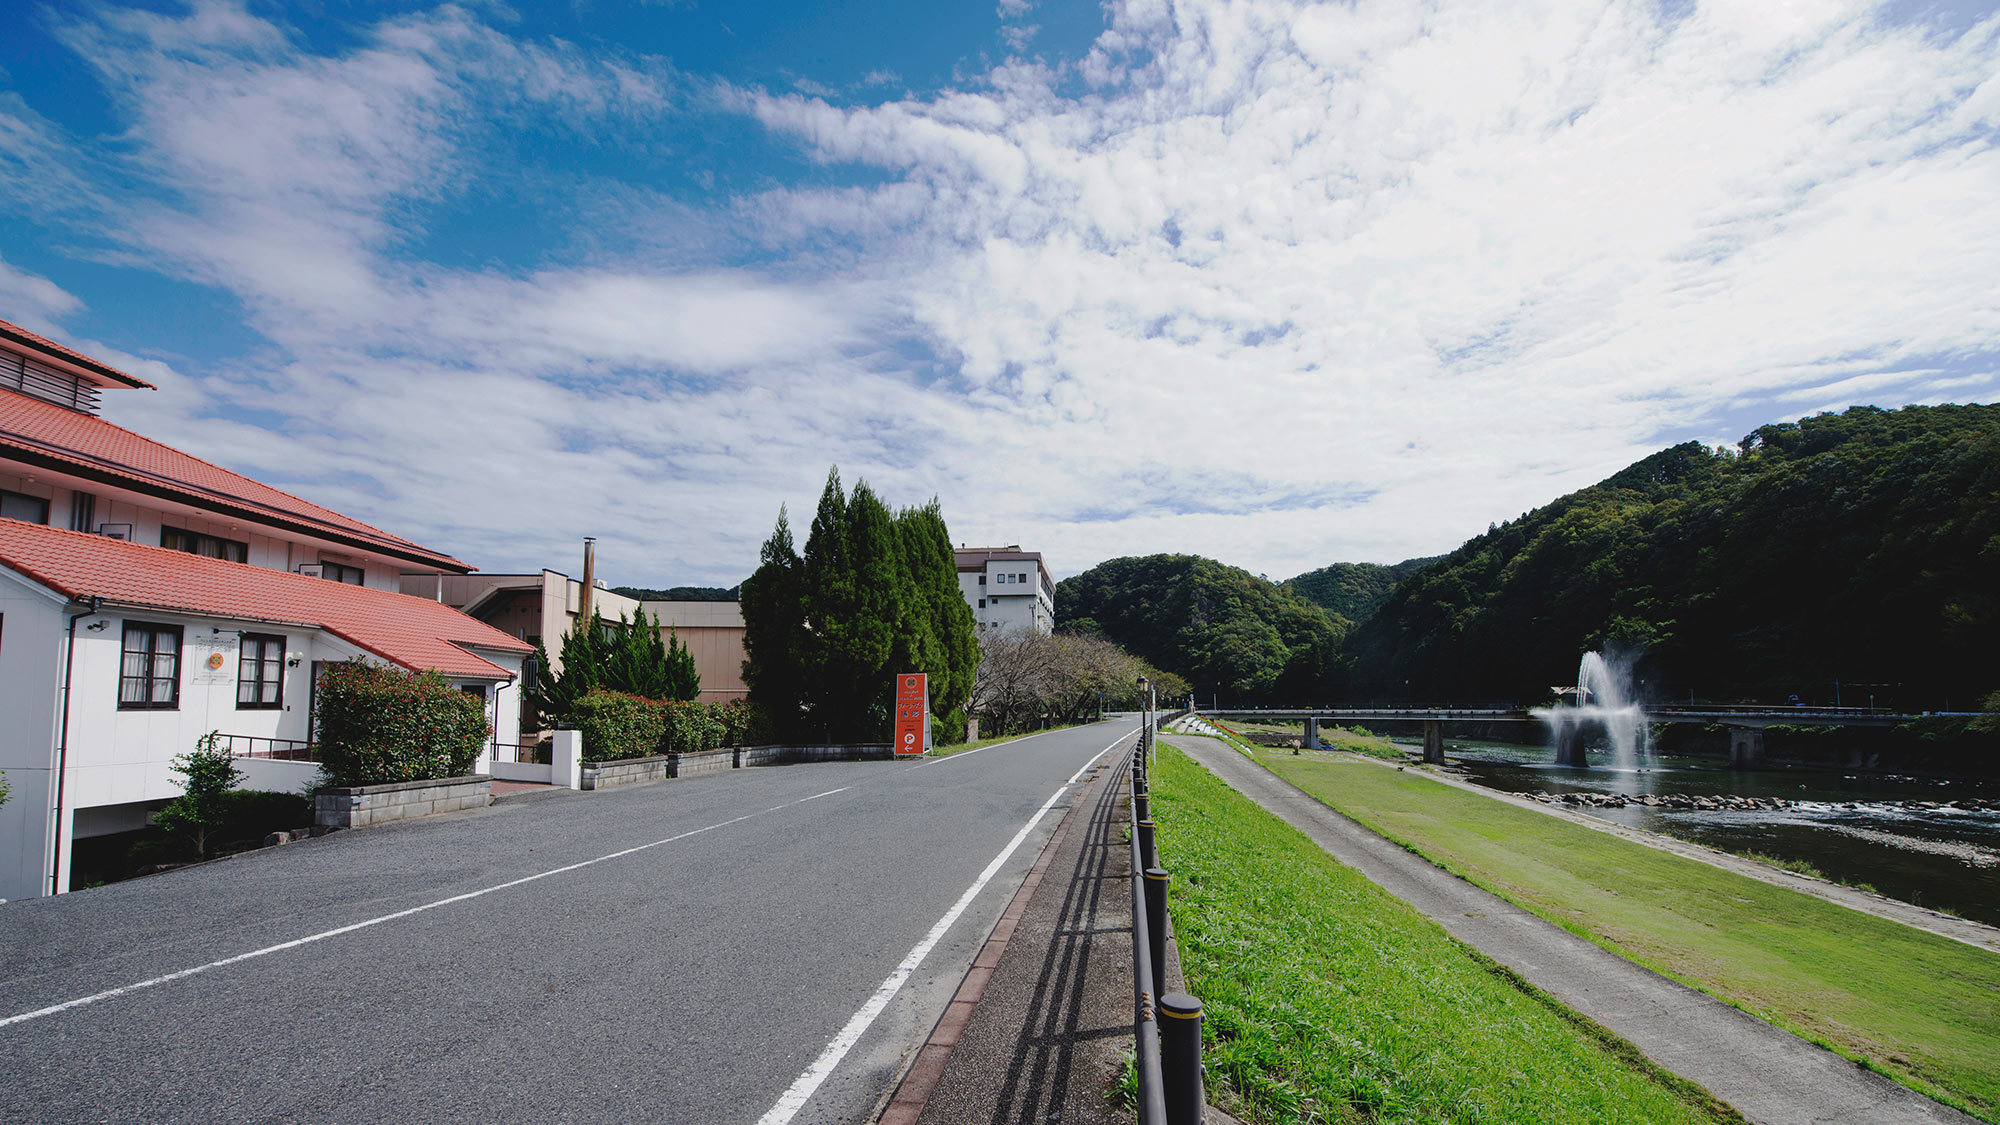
(1922, 1009)
(1329, 1000)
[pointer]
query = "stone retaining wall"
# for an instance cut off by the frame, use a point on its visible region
(788, 755)
(626, 771)
(362, 805)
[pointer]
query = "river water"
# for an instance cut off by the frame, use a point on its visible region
(1854, 828)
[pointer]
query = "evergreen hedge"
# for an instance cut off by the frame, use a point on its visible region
(617, 725)
(379, 725)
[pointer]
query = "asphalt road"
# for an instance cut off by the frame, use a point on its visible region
(676, 952)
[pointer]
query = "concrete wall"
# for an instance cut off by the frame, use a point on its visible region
(361, 806)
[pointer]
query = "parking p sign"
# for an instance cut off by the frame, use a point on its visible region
(913, 714)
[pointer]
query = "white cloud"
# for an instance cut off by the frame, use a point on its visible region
(1290, 283)
(32, 301)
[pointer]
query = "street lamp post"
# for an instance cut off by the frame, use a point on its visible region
(1146, 716)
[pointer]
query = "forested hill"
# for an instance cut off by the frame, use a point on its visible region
(1861, 548)
(1222, 629)
(1354, 590)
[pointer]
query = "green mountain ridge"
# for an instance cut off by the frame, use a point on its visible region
(1840, 557)
(1355, 590)
(1847, 558)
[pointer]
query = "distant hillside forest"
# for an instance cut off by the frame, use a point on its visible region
(679, 593)
(1845, 557)
(1222, 629)
(1355, 590)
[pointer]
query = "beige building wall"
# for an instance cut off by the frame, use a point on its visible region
(712, 632)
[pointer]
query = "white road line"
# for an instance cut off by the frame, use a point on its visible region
(295, 943)
(828, 793)
(794, 1099)
(969, 753)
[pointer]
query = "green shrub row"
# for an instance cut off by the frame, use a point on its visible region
(379, 725)
(618, 725)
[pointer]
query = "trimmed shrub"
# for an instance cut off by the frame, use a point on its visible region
(690, 727)
(616, 725)
(744, 723)
(379, 725)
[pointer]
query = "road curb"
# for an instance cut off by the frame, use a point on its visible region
(926, 1069)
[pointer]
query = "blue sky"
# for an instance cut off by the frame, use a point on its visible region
(1280, 283)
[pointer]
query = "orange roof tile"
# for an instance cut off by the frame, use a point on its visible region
(413, 632)
(42, 431)
(51, 349)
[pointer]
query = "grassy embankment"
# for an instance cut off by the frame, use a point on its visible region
(1919, 1008)
(1359, 740)
(1327, 999)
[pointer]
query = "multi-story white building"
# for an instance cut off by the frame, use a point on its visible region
(1007, 588)
(148, 597)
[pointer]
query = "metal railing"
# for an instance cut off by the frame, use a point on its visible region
(1166, 1026)
(523, 753)
(258, 746)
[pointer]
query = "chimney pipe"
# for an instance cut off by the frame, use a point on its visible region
(589, 579)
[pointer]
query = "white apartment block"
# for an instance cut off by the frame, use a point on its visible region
(1007, 588)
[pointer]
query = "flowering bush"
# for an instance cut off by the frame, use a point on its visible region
(379, 725)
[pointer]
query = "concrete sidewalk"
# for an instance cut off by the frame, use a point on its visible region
(1039, 1028)
(1767, 1073)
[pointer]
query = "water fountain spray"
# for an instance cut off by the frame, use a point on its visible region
(1603, 702)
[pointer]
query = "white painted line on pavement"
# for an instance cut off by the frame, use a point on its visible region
(828, 793)
(801, 1091)
(983, 749)
(295, 943)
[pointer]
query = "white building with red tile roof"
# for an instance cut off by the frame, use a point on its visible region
(148, 597)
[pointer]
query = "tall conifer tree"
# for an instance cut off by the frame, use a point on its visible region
(774, 632)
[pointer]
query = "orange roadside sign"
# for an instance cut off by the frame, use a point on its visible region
(913, 713)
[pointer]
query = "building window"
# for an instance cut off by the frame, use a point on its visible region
(340, 572)
(15, 506)
(260, 673)
(149, 678)
(82, 511)
(207, 546)
(982, 603)
(982, 580)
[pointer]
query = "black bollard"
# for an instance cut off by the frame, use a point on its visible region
(1156, 925)
(1142, 806)
(1149, 855)
(1180, 1058)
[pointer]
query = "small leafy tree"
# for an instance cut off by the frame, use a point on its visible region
(208, 774)
(3, 787)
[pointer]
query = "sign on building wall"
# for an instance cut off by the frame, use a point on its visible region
(208, 660)
(913, 714)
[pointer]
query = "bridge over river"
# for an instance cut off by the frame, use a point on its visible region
(1746, 724)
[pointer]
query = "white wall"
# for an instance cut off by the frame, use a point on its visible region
(1029, 604)
(31, 624)
(267, 547)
